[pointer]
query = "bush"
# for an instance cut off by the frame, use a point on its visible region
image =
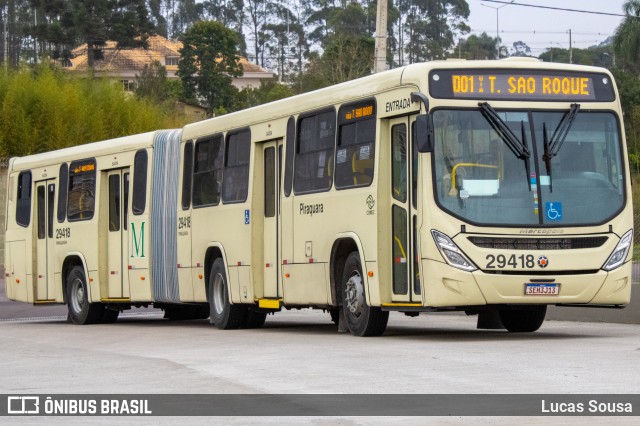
(46, 109)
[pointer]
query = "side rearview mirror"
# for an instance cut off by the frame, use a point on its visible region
(424, 133)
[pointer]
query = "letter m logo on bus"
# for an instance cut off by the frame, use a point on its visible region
(137, 241)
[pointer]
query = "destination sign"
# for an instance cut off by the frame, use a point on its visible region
(521, 85)
(357, 111)
(83, 167)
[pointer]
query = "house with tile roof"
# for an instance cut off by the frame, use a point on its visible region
(125, 63)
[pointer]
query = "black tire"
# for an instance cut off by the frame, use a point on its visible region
(254, 319)
(224, 315)
(109, 316)
(523, 320)
(335, 315)
(81, 311)
(362, 319)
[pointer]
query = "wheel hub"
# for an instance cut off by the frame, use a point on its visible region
(218, 294)
(77, 290)
(354, 294)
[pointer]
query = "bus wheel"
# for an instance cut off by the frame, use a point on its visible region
(254, 319)
(224, 315)
(80, 310)
(523, 320)
(362, 320)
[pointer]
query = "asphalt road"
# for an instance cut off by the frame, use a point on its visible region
(300, 352)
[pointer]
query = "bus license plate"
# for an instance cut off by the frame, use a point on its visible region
(541, 289)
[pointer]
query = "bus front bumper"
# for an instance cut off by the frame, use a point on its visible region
(449, 287)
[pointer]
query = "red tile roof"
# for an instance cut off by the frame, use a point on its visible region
(119, 60)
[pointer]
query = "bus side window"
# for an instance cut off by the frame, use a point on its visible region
(399, 161)
(288, 166)
(314, 153)
(235, 181)
(139, 201)
(187, 170)
(356, 145)
(62, 192)
(207, 171)
(82, 190)
(41, 208)
(125, 200)
(23, 204)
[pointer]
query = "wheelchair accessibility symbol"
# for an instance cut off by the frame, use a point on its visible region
(553, 210)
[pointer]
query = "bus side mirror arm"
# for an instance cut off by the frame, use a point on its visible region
(424, 125)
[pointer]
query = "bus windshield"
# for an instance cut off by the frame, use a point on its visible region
(480, 179)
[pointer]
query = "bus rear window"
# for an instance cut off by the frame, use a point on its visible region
(23, 205)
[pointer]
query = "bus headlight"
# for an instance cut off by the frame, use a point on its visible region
(451, 253)
(619, 255)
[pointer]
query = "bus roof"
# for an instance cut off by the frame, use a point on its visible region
(94, 149)
(413, 74)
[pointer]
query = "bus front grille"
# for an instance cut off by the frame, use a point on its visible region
(538, 243)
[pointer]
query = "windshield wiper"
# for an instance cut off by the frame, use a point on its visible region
(520, 148)
(552, 146)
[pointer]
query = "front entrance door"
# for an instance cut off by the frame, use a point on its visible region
(45, 200)
(118, 202)
(404, 211)
(272, 165)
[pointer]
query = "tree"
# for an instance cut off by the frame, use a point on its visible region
(600, 56)
(77, 111)
(152, 84)
(209, 59)
(626, 41)
(67, 23)
(520, 48)
(431, 27)
(157, 17)
(189, 11)
(348, 48)
(229, 13)
(267, 92)
(474, 47)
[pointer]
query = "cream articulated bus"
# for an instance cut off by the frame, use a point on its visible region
(491, 187)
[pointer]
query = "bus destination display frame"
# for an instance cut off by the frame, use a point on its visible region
(520, 85)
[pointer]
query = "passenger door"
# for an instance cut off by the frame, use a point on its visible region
(404, 212)
(118, 202)
(272, 223)
(45, 241)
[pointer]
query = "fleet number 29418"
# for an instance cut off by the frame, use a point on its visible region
(524, 261)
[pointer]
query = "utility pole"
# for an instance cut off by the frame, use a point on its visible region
(35, 40)
(380, 60)
(5, 48)
(570, 48)
(497, 9)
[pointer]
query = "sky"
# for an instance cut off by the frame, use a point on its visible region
(541, 29)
